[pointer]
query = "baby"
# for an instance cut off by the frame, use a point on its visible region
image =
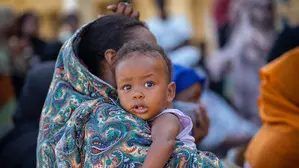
(143, 78)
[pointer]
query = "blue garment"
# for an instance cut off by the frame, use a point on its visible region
(186, 77)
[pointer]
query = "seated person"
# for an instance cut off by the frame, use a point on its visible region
(189, 85)
(189, 88)
(26, 119)
(226, 128)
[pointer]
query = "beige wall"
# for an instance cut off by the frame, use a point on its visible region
(195, 10)
(290, 10)
(198, 11)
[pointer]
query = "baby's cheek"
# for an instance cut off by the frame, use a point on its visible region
(123, 100)
(160, 100)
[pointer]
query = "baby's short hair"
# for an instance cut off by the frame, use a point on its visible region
(151, 50)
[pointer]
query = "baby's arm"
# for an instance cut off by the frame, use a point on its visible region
(165, 128)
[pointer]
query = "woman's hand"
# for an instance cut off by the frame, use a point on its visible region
(201, 124)
(125, 9)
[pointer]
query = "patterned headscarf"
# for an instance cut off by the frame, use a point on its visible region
(82, 125)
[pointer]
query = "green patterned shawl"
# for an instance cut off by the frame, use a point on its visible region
(81, 124)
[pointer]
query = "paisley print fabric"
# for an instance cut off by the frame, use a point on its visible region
(82, 125)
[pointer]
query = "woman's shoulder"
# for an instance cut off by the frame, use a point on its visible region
(105, 106)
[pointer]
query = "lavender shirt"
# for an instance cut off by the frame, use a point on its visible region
(185, 135)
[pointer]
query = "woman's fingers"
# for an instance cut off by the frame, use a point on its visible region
(196, 132)
(201, 124)
(112, 7)
(203, 121)
(136, 15)
(204, 115)
(125, 9)
(194, 123)
(100, 15)
(128, 10)
(198, 121)
(121, 8)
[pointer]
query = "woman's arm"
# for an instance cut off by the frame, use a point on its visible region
(164, 131)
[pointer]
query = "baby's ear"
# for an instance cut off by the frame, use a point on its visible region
(171, 92)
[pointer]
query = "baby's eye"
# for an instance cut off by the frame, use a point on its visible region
(127, 87)
(149, 84)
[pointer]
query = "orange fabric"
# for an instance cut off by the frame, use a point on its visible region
(277, 142)
(6, 90)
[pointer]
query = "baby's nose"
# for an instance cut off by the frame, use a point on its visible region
(138, 95)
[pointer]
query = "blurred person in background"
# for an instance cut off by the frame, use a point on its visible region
(287, 40)
(189, 88)
(221, 19)
(226, 14)
(27, 115)
(219, 123)
(276, 143)
(27, 48)
(29, 29)
(244, 54)
(174, 33)
(7, 97)
(26, 119)
(51, 51)
(69, 25)
(221, 16)
(37, 79)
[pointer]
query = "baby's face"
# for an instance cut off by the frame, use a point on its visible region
(142, 86)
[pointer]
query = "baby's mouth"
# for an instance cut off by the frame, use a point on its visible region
(139, 109)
